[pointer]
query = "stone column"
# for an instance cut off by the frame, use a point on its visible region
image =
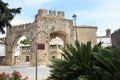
(42, 53)
(33, 53)
(13, 58)
(9, 59)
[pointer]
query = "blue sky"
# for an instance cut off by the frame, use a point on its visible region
(102, 13)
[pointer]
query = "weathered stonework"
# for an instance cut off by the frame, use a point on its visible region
(87, 33)
(42, 30)
(115, 37)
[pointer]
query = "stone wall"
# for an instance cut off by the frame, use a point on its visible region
(115, 37)
(86, 33)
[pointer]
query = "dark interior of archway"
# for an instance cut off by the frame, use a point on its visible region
(57, 34)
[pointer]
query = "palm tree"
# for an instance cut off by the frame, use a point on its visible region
(6, 15)
(82, 62)
(77, 64)
(109, 63)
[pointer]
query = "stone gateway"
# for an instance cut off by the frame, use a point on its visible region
(45, 28)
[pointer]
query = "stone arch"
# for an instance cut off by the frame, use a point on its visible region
(14, 46)
(61, 34)
(58, 39)
(16, 40)
(12, 36)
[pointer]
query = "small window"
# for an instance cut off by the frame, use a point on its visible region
(53, 57)
(27, 59)
(54, 47)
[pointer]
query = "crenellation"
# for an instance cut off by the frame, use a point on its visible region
(21, 27)
(61, 14)
(50, 13)
(42, 12)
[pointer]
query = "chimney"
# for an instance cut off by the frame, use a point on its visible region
(108, 32)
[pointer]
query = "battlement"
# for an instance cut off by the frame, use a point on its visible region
(20, 25)
(50, 13)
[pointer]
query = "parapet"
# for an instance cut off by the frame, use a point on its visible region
(50, 13)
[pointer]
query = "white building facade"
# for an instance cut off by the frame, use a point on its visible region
(105, 39)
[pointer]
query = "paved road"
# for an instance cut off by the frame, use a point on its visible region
(26, 70)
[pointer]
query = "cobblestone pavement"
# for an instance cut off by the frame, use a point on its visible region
(26, 70)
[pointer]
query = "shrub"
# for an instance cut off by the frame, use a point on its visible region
(13, 76)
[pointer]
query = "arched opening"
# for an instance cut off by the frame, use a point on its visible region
(57, 41)
(21, 49)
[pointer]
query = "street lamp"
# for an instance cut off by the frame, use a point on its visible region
(74, 19)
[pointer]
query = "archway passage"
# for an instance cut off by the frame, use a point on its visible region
(13, 34)
(21, 50)
(57, 41)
